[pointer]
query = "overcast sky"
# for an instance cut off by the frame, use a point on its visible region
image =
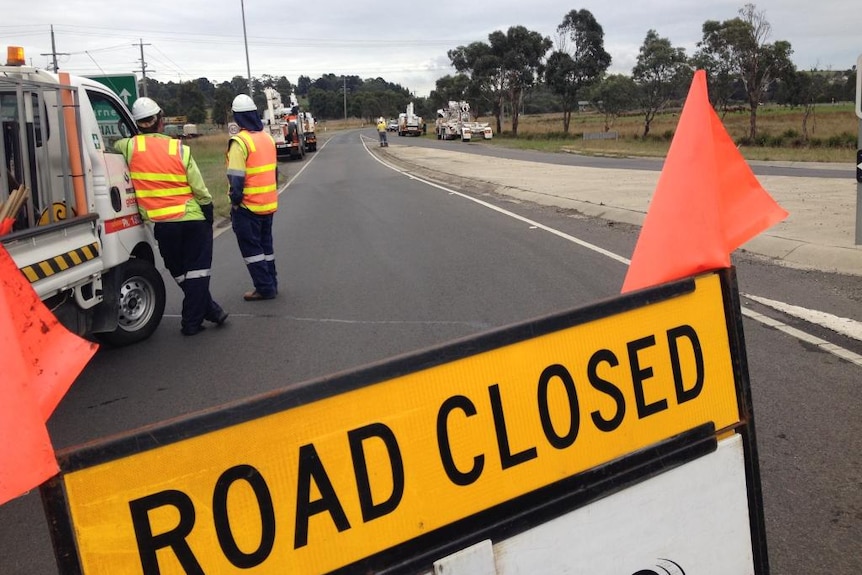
(392, 39)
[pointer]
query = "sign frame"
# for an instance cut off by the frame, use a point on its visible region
(502, 520)
(859, 87)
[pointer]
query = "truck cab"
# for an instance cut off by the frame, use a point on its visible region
(77, 236)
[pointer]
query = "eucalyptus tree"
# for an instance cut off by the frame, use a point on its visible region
(713, 58)
(520, 53)
(660, 72)
(450, 88)
(485, 73)
(191, 102)
(222, 100)
(502, 69)
(742, 41)
(612, 96)
(579, 61)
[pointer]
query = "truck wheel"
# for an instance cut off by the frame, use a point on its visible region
(141, 304)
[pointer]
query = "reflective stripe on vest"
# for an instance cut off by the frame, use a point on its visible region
(158, 172)
(260, 192)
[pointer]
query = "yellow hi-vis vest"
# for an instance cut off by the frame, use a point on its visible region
(158, 172)
(260, 191)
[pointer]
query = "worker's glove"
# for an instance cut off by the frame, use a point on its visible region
(235, 197)
(207, 209)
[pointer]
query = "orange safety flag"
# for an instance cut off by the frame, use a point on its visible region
(40, 359)
(26, 455)
(707, 202)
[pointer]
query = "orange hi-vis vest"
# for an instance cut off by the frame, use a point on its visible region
(158, 172)
(260, 192)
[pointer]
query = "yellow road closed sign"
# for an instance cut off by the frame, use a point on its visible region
(380, 462)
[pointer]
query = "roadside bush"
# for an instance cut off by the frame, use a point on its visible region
(842, 140)
(774, 141)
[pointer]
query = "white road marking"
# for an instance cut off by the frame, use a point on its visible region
(824, 345)
(844, 326)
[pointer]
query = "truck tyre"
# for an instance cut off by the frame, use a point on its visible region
(141, 304)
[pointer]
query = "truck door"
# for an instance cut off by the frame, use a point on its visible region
(122, 227)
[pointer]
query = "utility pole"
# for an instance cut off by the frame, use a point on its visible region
(143, 66)
(54, 52)
(859, 151)
(245, 39)
(344, 89)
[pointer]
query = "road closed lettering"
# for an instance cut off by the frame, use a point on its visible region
(325, 484)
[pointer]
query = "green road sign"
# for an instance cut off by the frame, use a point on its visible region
(124, 85)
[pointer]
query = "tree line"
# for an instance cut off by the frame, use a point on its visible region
(521, 70)
(327, 97)
(742, 66)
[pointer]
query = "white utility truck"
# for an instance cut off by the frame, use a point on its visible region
(409, 124)
(454, 122)
(77, 235)
(309, 127)
(283, 125)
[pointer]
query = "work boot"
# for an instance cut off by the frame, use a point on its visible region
(192, 330)
(255, 295)
(218, 317)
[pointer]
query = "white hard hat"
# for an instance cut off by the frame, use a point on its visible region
(144, 108)
(243, 103)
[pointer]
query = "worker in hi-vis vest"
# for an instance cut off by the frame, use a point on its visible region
(251, 174)
(173, 196)
(381, 131)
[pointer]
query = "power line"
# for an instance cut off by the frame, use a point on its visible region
(197, 38)
(178, 68)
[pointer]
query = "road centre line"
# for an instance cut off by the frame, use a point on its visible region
(812, 316)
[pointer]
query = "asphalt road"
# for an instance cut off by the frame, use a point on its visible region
(373, 264)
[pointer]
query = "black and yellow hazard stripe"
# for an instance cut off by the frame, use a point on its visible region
(62, 262)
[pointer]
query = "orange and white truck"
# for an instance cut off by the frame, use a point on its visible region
(74, 230)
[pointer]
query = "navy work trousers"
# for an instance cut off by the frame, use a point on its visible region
(187, 250)
(254, 237)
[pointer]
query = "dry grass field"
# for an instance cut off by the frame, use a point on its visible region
(832, 137)
(832, 134)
